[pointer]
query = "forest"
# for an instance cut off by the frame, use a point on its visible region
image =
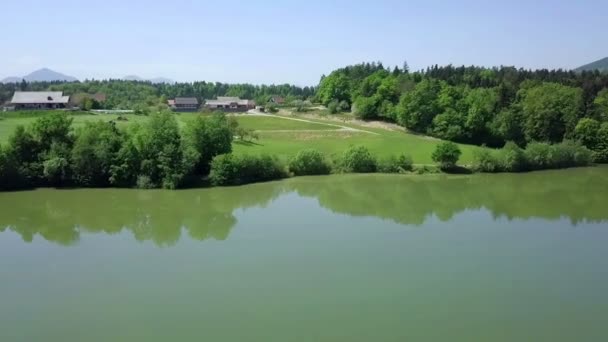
(482, 106)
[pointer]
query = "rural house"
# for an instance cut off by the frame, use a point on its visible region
(230, 104)
(277, 100)
(184, 104)
(39, 100)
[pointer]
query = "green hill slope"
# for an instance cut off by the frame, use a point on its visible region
(601, 65)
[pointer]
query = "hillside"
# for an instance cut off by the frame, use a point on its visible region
(601, 65)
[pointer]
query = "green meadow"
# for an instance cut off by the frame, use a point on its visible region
(282, 136)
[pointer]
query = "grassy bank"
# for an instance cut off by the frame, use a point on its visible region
(280, 136)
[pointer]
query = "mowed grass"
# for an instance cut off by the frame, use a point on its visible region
(268, 123)
(285, 145)
(284, 138)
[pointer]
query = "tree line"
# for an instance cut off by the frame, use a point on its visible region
(156, 153)
(483, 106)
(123, 94)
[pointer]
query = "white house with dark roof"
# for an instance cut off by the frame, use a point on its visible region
(39, 100)
(230, 104)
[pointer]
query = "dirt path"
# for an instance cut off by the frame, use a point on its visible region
(341, 127)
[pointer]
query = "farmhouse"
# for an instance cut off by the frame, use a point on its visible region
(277, 100)
(39, 100)
(230, 104)
(184, 104)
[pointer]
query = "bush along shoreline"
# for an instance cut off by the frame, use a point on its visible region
(158, 154)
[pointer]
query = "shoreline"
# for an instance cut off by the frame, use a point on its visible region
(408, 175)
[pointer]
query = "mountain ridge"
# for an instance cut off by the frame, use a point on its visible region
(41, 75)
(600, 64)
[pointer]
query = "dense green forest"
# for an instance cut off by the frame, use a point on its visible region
(478, 105)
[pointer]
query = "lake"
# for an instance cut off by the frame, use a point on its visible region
(338, 258)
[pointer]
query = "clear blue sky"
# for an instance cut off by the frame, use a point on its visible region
(292, 41)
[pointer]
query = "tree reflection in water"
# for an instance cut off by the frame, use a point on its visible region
(161, 216)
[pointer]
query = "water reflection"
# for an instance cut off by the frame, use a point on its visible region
(577, 194)
(159, 216)
(61, 216)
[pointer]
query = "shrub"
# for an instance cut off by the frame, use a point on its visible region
(228, 169)
(393, 164)
(586, 132)
(271, 107)
(446, 155)
(357, 159)
(333, 107)
(161, 150)
(9, 175)
(484, 160)
(568, 154)
(600, 152)
(23, 150)
(301, 106)
(423, 169)
(512, 158)
(123, 171)
(144, 182)
(95, 148)
(344, 106)
(309, 162)
(366, 108)
(52, 128)
(205, 138)
(538, 156)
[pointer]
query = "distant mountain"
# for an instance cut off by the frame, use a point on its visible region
(132, 78)
(601, 65)
(42, 75)
(161, 80)
(153, 80)
(48, 75)
(12, 80)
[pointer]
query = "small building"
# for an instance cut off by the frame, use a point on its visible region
(39, 100)
(277, 100)
(184, 104)
(230, 104)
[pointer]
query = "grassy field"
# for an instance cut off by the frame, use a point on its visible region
(266, 123)
(283, 137)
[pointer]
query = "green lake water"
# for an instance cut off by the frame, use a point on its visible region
(339, 258)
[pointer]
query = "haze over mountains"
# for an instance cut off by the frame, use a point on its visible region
(48, 75)
(152, 80)
(41, 75)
